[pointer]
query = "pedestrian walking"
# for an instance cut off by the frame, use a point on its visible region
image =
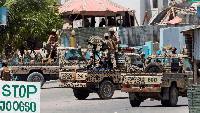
(6, 74)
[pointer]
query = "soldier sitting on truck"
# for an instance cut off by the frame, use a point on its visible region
(52, 42)
(6, 74)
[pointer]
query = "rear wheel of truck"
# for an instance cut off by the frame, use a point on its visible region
(106, 90)
(135, 103)
(36, 77)
(80, 94)
(173, 96)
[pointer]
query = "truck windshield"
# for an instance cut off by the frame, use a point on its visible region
(72, 55)
(166, 61)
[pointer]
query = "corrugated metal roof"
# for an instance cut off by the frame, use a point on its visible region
(91, 5)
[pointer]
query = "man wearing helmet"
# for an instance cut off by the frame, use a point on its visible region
(114, 41)
(52, 41)
(6, 73)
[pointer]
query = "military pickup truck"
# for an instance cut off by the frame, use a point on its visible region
(38, 70)
(103, 81)
(164, 78)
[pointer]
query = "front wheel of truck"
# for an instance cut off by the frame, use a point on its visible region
(106, 89)
(80, 94)
(135, 103)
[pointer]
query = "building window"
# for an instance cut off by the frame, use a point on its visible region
(155, 3)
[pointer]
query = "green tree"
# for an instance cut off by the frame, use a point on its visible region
(28, 18)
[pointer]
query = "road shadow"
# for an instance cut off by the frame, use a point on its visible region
(108, 99)
(164, 106)
(53, 87)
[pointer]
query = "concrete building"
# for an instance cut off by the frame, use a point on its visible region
(153, 7)
(61, 1)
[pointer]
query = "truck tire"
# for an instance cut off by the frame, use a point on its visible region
(80, 94)
(154, 67)
(135, 103)
(165, 103)
(173, 96)
(36, 77)
(106, 89)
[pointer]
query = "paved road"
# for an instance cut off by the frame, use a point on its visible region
(62, 100)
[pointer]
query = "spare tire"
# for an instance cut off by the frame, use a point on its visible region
(154, 67)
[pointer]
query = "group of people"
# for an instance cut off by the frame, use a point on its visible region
(109, 47)
(111, 44)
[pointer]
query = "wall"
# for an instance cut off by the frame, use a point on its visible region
(137, 36)
(132, 36)
(140, 6)
(61, 1)
(196, 52)
(172, 36)
(84, 33)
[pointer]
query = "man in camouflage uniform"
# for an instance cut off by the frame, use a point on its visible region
(114, 41)
(52, 41)
(6, 74)
(107, 50)
(90, 61)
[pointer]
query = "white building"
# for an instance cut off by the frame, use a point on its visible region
(61, 1)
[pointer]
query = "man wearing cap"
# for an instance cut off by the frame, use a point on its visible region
(52, 41)
(114, 41)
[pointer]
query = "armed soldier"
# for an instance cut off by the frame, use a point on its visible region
(6, 74)
(107, 51)
(114, 41)
(52, 42)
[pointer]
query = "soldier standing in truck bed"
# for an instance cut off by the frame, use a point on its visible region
(114, 41)
(107, 50)
(53, 39)
(6, 74)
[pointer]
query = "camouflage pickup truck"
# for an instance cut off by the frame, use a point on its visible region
(164, 78)
(37, 71)
(75, 74)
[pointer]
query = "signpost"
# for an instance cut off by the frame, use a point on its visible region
(19, 97)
